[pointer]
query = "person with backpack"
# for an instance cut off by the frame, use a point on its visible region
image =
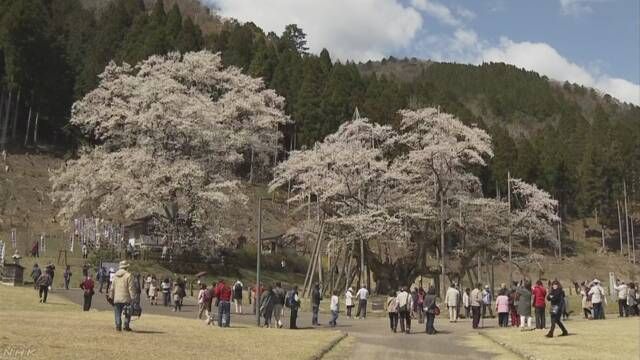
(237, 295)
(404, 309)
(539, 294)
(431, 310)
(121, 294)
(316, 297)
(266, 306)
(35, 274)
(335, 309)
(278, 304)
(87, 290)
(392, 310)
(223, 294)
(556, 299)
(293, 303)
(598, 297)
(43, 282)
(362, 295)
(348, 301)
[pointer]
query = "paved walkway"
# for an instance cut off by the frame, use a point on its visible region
(374, 340)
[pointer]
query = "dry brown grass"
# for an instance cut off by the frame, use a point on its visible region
(59, 330)
(608, 339)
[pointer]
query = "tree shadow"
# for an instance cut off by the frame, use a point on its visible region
(146, 332)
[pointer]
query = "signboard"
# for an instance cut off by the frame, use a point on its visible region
(612, 284)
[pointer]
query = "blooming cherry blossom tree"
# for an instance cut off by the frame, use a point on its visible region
(170, 130)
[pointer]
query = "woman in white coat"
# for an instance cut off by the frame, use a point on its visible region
(348, 300)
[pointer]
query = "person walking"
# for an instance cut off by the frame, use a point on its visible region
(523, 294)
(632, 300)
(101, 276)
(414, 302)
(598, 298)
(293, 302)
(539, 295)
(110, 277)
(430, 309)
(502, 308)
(404, 309)
(43, 283)
(278, 304)
(266, 306)
(392, 310)
(177, 298)
(487, 299)
(35, 274)
(316, 297)
(238, 287)
(556, 299)
(165, 286)
(420, 305)
(586, 302)
(466, 303)
(201, 297)
(513, 305)
(362, 295)
(87, 291)
(476, 302)
(223, 294)
(622, 290)
(348, 301)
(121, 294)
(66, 276)
(147, 285)
(451, 300)
(335, 309)
(85, 251)
(153, 292)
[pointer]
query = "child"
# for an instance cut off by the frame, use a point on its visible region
(153, 293)
(502, 308)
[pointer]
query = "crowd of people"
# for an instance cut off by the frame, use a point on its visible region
(523, 305)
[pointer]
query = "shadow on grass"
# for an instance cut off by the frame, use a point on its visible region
(146, 332)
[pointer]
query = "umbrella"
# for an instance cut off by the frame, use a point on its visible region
(201, 274)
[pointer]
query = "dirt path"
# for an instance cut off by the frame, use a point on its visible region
(373, 339)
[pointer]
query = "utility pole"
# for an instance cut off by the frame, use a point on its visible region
(626, 220)
(619, 225)
(258, 255)
(510, 242)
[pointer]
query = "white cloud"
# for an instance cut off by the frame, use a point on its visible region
(577, 7)
(437, 10)
(465, 13)
(354, 30)
(544, 59)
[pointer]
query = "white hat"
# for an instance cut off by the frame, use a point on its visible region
(596, 281)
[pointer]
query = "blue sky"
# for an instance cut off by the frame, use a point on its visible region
(592, 42)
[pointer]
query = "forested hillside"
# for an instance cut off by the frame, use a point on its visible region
(577, 144)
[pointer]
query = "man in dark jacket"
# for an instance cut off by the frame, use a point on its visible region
(293, 301)
(35, 274)
(316, 297)
(556, 298)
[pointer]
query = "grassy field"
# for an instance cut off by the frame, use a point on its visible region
(610, 339)
(59, 330)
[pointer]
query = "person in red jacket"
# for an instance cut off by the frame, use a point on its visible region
(87, 287)
(539, 295)
(223, 293)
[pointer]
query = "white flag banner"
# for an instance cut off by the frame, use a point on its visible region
(14, 239)
(1, 253)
